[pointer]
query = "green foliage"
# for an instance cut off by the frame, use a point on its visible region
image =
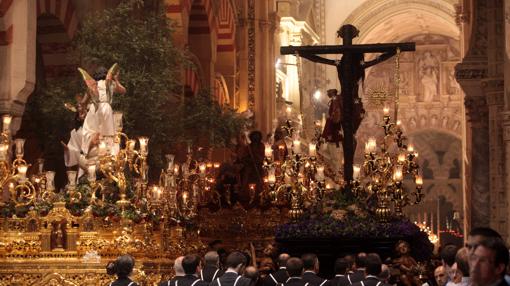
(205, 119)
(139, 39)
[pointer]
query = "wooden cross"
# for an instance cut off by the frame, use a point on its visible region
(351, 70)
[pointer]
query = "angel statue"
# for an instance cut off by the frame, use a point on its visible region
(101, 87)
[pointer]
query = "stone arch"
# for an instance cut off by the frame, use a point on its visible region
(226, 49)
(202, 38)
(63, 10)
(374, 19)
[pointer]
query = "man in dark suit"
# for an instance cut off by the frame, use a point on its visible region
(235, 263)
(340, 279)
(373, 266)
(179, 273)
(311, 267)
(191, 266)
(279, 276)
(295, 270)
(488, 262)
(211, 269)
(359, 273)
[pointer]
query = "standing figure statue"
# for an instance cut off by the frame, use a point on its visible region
(101, 87)
(73, 149)
(333, 128)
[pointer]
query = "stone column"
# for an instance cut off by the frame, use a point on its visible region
(17, 60)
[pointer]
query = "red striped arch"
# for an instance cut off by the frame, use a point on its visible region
(226, 27)
(63, 10)
(5, 35)
(178, 10)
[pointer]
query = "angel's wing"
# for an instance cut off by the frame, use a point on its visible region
(70, 107)
(90, 82)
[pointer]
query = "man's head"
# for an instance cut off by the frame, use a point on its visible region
(191, 264)
(462, 261)
(212, 258)
(440, 276)
(488, 262)
(251, 273)
(124, 266)
(294, 267)
(341, 266)
(360, 260)
(373, 264)
(350, 262)
(448, 258)
(179, 271)
(385, 274)
(310, 262)
(477, 234)
(282, 259)
(236, 261)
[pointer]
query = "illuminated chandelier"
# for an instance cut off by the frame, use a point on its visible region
(387, 165)
(294, 178)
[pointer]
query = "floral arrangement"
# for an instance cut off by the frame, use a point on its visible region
(354, 222)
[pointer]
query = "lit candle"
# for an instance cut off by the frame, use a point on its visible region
(117, 119)
(419, 180)
(40, 163)
(6, 120)
(216, 165)
(185, 197)
(372, 144)
(3, 151)
(131, 145)
(143, 145)
(399, 123)
(312, 149)
(22, 172)
(320, 173)
(91, 169)
(296, 146)
(71, 178)
(397, 175)
(356, 172)
(271, 177)
(288, 110)
(156, 193)
(102, 148)
(50, 179)
(202, 167)
(176, 169)
(386, 111)
(410, 148)
(19, 147)
(401, 158)
(268, 151)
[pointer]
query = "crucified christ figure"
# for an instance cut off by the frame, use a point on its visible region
(351, 71)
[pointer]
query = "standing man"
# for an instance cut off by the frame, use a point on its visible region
(236, 263)
(295, 270)
(280, 276)
(191, 266)
(488, 263)
(440, 276)
(359, 263)
(373, 268)
(340, 279)
(311, 267)
(179, 273)
(211, 269)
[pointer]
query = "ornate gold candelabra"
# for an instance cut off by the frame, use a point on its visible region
(296, 178)
(385, 169)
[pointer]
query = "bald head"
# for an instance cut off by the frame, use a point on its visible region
(282, 259)
(179, 271)
(252, 273)
(212, 258)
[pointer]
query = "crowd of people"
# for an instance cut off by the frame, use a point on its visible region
(483, 261)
